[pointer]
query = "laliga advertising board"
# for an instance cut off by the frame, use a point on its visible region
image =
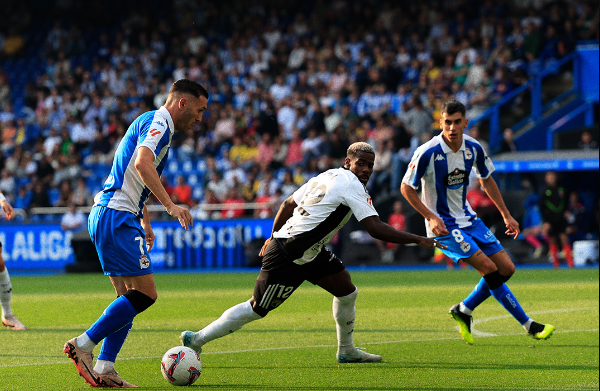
(208, 244)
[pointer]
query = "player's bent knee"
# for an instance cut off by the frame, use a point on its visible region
(262, 312)
(350, 298)
(494, 280)
(138, 300)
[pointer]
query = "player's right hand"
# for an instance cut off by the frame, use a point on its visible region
(182, 215)
(262, 250)
(8, 210)
(437, 226)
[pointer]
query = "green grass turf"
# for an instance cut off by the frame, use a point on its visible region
(401, 315)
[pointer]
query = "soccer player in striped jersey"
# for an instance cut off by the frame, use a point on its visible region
(441, 168)
(8, 318)
(295, 252)
(120, 227)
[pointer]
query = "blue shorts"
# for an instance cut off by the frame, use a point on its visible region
(464, 242)
(120, 242)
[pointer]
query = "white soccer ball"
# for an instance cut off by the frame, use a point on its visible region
(181, 366)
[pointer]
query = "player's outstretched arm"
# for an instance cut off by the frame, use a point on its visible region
(491, 188)
(382, 231)
(144, 164)
(286, 210)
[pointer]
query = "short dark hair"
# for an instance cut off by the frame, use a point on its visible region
(452, 106)
(187, 86)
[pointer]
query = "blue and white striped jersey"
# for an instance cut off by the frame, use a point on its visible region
(124, 189)
(444, 178)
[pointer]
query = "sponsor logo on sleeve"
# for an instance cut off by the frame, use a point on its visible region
(154, 132)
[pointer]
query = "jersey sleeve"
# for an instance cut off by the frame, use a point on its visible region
(416, 169)
(154, 135)
(359, 201)
(483, 166)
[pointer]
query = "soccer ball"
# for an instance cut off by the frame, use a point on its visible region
(181, 366)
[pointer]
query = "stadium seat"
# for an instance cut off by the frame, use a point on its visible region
(187, 166)
(172, 167)
(198, 192)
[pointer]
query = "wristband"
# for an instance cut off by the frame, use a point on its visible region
(2, 198)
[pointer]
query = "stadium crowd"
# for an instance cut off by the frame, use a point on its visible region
(292, 85)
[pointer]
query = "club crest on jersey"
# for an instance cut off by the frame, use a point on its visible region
(465, 246)
(456, 179)
(468, 154)
(144, 262)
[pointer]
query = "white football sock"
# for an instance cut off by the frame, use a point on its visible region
(344, 313)
(464, 309)
(527, 324)
(232, 320)
(5, 293)
(103, 367)
(85, 343)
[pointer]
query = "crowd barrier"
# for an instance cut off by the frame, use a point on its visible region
(208, 244)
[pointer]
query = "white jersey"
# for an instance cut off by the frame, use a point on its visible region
(324, 204)
(444, 178)
(124, 189)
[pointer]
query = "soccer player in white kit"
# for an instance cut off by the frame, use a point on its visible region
(8, 318)
(441, 167)
(120, 227)
(295, 252)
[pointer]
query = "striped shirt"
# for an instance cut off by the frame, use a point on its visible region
(444, 178)
(124, 189)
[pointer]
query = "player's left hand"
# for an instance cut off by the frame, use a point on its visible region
(149, 239)
(512, 227)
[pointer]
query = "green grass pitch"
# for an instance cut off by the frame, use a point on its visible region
(402, 315)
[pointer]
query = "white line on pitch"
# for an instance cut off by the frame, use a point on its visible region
(304, 347)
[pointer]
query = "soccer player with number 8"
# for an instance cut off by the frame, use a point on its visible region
(441, 167)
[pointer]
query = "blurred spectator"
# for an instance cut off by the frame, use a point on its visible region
(587, 142)
(233, 198)
(65, 194)
(532, 225)
(7, 185)
(575, 216)
(474, 132)
(39, 196)
(418, 120)
(23, 198)
(181, 192)
(553, 205)
(508, 142)
(482, 204)
(74, 220)
(397, 219)
(82, 195)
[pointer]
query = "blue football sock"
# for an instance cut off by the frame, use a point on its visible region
(508, 301)
(111, 346)
(478, 296)
(117, 315)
